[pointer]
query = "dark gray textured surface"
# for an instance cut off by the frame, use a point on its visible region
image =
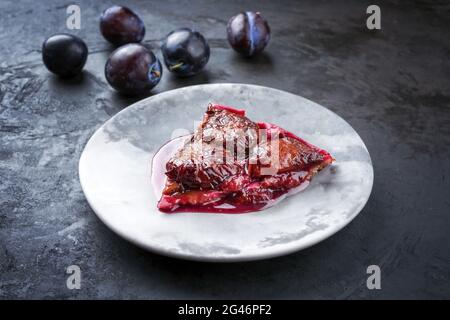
(392, 86)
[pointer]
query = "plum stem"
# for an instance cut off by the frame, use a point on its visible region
(176, 66)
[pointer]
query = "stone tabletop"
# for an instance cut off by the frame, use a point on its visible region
(391, 85)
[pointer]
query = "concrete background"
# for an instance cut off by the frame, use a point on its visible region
(391, 85)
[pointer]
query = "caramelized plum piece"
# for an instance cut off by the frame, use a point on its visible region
(204, 162)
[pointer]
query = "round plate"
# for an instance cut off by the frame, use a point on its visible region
(115, 171)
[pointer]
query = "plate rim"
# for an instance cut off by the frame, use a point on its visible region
(258, 255)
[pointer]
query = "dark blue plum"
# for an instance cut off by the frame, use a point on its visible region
(133, 69)
(120, 25)
(185, 52)
(248, 33)
(64, 54)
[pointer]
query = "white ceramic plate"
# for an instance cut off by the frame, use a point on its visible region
(115, 170)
